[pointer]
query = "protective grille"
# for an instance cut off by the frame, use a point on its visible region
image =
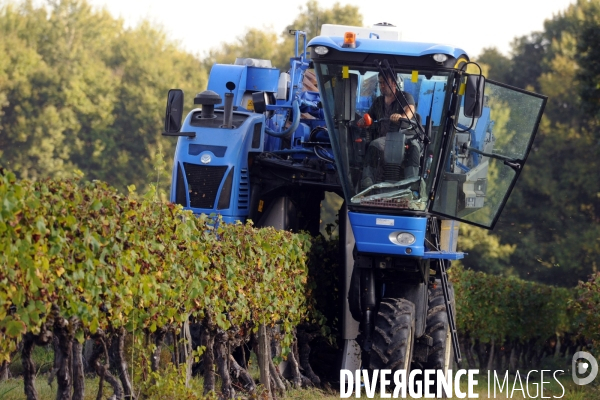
(203, 184)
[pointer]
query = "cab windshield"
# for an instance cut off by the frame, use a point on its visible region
(384, 159)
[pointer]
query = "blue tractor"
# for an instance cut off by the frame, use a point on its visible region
(264, 146)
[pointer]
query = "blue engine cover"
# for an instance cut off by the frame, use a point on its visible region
(210, 173)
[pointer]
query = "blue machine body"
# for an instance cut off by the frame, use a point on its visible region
(204, 161)
(226, 152)
(375, 233)
(212, 166)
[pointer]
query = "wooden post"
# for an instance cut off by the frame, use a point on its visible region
(188, 351)
(263, 359)
(4, 371)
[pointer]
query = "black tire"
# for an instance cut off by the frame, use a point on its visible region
(393, 336)
(441, 354)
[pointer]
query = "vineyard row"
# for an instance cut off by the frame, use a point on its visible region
(79, 260)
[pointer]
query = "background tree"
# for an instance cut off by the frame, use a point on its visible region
(484, 251)
(311, 18)
(499, 65)
(553, 216)
(80, 91)
(256, 43)
(266, 44)
(34, 121)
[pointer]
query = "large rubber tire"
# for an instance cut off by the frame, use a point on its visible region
(393, 336)
(441, 354)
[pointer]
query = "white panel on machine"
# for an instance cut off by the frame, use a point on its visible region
(253, 62)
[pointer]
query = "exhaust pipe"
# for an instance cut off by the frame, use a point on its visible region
(228, 111)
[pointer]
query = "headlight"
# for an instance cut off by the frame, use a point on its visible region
(405, 238)
(321, 50)
(440, 57)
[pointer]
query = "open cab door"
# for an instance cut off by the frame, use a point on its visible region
(486, 154)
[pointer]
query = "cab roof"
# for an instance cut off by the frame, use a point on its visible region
(379, 46)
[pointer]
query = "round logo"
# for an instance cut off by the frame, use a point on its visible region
(580, 368)
(205, 159)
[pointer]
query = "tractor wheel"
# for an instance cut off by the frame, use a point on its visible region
(393, 336)
(441, 354)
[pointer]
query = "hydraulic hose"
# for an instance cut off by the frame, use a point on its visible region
(292, 127)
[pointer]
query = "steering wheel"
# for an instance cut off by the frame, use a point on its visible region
(368, 120)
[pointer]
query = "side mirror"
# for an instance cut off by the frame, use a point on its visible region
(473, 106)
(345, 97)
(174, 111)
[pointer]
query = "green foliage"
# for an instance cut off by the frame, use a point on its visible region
(311, 18)
(498, 64)
(490, 307)
(485, 252)
(587, 305)
(168, 382)
(80, 249)
(323, 289)
(256, 43)
(579, 25)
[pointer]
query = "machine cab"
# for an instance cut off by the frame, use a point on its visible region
(457, 156)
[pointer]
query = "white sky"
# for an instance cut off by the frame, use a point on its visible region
(470, 24)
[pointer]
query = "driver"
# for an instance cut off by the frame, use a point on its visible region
(388, 111)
